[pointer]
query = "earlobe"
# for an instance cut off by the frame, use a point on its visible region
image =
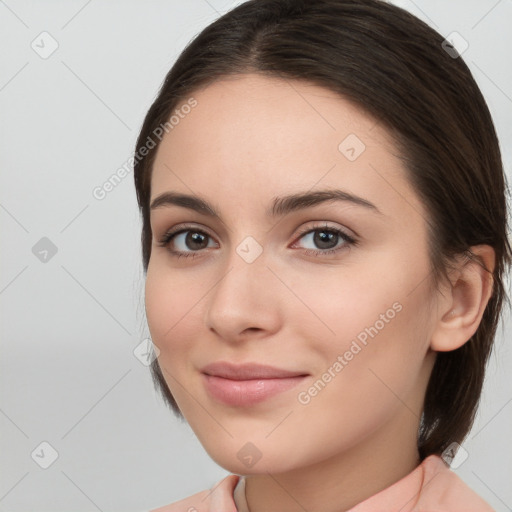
(463, 305)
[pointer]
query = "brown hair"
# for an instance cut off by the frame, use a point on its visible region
(394, 67)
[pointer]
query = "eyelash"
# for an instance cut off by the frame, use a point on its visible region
(349, 241)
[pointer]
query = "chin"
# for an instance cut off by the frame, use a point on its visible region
(249, 459)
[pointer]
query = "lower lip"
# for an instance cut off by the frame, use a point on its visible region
(247, 392)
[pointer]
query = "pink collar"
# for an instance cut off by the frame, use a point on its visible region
(430, 486)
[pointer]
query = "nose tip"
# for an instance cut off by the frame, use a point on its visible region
(243, 301)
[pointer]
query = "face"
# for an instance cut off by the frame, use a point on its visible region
(332, 290)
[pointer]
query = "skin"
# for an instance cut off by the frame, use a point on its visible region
(249, 139)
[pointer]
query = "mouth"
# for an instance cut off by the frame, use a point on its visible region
(247, 384)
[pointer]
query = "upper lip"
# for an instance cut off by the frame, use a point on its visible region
(248, 371)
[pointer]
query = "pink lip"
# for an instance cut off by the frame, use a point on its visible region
(247, 384)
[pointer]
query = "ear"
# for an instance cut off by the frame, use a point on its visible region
(463, 301)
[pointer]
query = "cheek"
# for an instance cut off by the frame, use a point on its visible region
(170, 299)
(169, 309)
(161, 305)
(375, 334)
(340, 304)
(363, 386)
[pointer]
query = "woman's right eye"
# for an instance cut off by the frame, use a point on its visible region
(188, 242)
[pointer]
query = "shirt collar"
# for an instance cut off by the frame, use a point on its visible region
(239, 496)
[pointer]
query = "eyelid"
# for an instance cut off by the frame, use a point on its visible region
(325, 225)
(186, 226)
(319, 225)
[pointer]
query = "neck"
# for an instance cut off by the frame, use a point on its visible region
(344, 480)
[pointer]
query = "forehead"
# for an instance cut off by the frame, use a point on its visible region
(254, 108)
(250, 136)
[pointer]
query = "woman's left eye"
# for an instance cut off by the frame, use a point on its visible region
(190, 242)
(327, 239)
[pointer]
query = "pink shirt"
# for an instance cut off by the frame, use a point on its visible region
(431, 487)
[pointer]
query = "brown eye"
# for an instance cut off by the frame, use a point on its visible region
(326, 240)
(195, 240)
(186, 242)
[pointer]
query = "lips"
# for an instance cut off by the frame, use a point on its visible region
(247, 384)
(248, 371)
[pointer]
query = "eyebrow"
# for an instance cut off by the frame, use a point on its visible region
(280, 205)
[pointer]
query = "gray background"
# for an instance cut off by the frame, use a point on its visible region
(70, 324)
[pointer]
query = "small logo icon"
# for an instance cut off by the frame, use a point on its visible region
(44, 45)
(351, 147)
(455, 45)
(249, 455)
(454, 455)
(146, 351)
(45, 455)
(44, 250)
(249, 249)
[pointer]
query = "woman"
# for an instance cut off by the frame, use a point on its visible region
(324, 239)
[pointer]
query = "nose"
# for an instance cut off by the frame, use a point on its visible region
(245, 300)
